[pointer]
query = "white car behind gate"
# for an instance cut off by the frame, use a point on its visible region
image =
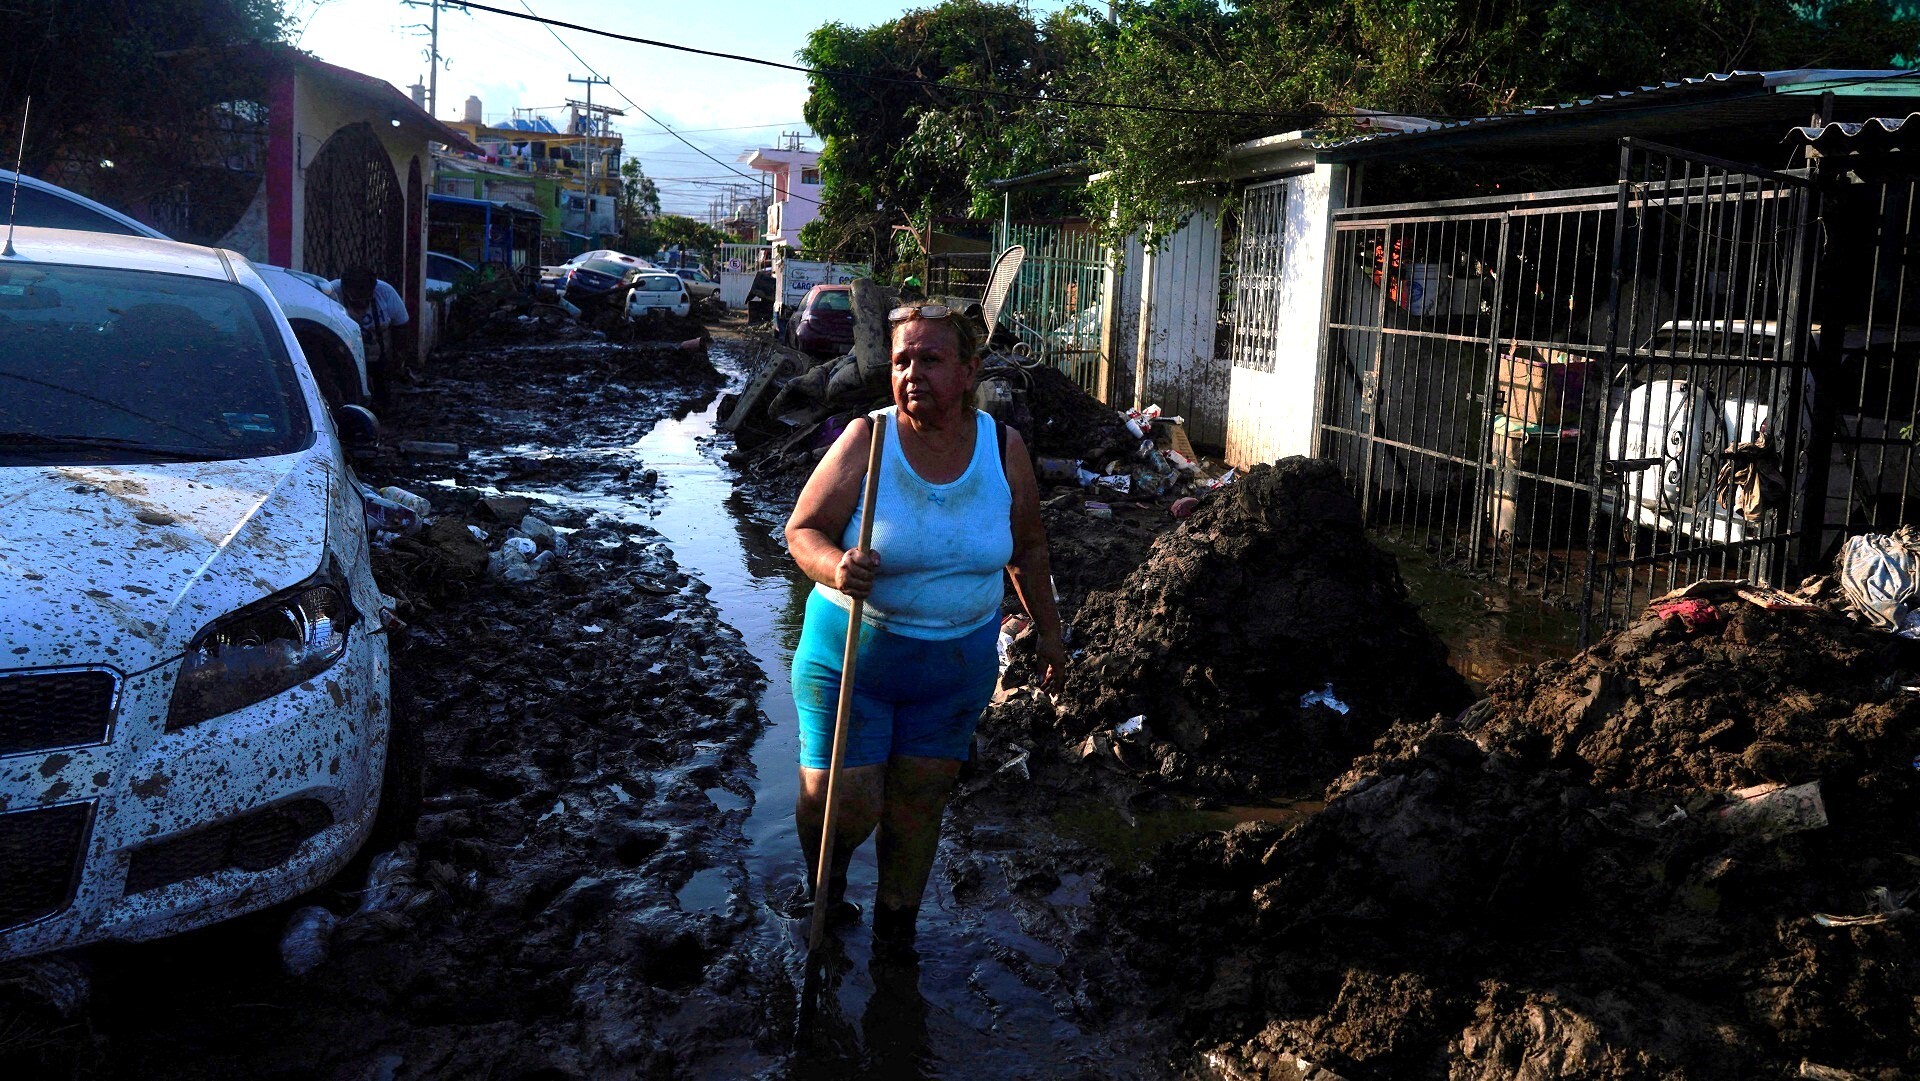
(194, 696)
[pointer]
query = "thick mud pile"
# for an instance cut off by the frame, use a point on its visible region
(1559, 884)
(1270, 592)
(1065, 421)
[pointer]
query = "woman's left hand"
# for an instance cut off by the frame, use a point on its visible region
(1052, 654)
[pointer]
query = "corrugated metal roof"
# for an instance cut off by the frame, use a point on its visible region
(1879, 133)
(1730, 98)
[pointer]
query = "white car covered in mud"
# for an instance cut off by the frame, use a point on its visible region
(194, 696)
(658, 292)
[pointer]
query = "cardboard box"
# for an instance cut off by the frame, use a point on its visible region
(1546, 387)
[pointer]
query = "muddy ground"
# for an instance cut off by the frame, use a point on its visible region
(589, 891)
(1503, 891)
(1558, 883)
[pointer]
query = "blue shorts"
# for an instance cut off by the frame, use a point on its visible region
(911, 696)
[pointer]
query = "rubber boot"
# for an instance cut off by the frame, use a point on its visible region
(893, 932)
(842, 912)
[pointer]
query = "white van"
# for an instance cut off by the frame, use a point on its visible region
(194, 697)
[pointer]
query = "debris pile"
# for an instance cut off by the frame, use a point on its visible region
(1269, 594)
(1688, 852)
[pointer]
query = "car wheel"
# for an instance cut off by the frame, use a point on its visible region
(403, 782)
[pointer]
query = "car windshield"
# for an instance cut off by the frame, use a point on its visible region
(102, 364)
(694, 276)
(608, 267)
(660, 283)
(837, 301)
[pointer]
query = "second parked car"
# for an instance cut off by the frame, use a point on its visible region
(823, 324)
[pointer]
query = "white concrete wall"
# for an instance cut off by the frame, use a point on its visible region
(1183, 377)
(1270, 415)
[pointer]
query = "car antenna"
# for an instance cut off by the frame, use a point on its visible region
(19, 157)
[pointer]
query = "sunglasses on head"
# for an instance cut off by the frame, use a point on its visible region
(918, 311)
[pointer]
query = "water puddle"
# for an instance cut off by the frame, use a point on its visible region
(709, 890)
(985, 1001)
(1488, 628)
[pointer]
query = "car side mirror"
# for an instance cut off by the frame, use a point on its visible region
(357, 425)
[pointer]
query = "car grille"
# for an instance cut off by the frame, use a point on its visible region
(256, 841)
(40, 859)
(43, 710)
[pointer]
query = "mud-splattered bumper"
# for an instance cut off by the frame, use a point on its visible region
(220, 818)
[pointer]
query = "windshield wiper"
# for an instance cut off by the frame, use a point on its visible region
(103, 442)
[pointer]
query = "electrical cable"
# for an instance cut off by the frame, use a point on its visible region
(551, 23)
(1325, 114)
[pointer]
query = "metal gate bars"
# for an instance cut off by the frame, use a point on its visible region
(1495, 413)
(1058, 300)
(1708, 395)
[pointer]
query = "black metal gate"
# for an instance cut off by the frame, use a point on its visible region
(1709, 402)
(355, 213)
(1493, 411)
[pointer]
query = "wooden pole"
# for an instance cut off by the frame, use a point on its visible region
(822, 873)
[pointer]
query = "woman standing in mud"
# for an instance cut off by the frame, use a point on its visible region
(954, 511)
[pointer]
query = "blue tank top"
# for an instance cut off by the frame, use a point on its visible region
(942, 547)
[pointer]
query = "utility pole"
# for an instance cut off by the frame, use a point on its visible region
(593, 152)
(433, 50)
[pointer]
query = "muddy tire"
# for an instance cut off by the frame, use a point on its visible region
(403, 781)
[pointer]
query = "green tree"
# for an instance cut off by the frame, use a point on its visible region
(661, 231)
(639, 198)
(1302, 63)
(111, 78)
(896, 153)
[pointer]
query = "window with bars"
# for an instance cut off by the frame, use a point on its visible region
(1259, 260)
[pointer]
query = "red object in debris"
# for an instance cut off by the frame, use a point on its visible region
(1184, 506)
(1698, 615)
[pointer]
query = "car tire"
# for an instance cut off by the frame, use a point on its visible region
(403, 782)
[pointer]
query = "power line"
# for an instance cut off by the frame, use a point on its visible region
(1320, 114)
(551, 23)
(890, 79)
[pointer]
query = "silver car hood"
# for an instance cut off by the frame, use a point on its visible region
(122, 565)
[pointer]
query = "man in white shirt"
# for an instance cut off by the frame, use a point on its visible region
(377, 307)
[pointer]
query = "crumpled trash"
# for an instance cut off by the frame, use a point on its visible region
(392, 881)
(1184, 506)
(1222, 480)
(1693, 613)
(304, 945)
(1324, 697)
(1012, 629)
(1880, 575)
(1887, 906)
(1774, 810)
(417, 504)
(1017, 765)
(518, 560)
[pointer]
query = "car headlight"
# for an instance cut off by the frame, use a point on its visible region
(260, 651)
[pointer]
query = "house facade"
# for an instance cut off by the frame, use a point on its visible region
(795, 179)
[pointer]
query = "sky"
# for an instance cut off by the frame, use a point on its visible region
(722, 106)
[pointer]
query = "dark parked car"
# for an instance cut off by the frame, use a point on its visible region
(823, 325)
(600, 284)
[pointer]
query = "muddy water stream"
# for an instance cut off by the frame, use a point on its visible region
(997, 994)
